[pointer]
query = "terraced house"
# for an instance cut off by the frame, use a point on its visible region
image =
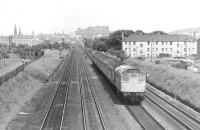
(147, 45)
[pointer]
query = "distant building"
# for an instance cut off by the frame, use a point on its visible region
(56, 37)
(19, 38)
(153, 45)
(93, 32)
(4, 40)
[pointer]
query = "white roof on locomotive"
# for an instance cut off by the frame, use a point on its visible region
(120, 69)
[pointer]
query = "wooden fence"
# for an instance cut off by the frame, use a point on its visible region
(11, 74)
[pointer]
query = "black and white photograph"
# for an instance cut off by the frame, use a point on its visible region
(99, 65)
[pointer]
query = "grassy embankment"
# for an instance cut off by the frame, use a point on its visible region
(16, 91)
(181, 84)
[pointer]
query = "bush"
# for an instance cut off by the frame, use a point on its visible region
(180, 65)
(182, 84)
(157, 62)
(164, 55)
(141, 58)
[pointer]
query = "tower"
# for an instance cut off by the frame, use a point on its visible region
(15, 30)
(20, 33)
(32, 33)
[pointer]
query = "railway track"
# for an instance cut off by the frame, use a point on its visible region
(85, 127)
(54, 115)
(90, 104)
(146, 120)
(186, 119)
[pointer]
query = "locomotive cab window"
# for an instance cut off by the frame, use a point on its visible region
(125, 76)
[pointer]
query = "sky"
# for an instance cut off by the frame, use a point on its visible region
(49, 16)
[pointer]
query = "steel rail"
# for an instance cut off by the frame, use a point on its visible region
(66, 98)
(167, 111)
(141, 124)
(94, 97)
(82, 97)
(51, 103)
(179, 109)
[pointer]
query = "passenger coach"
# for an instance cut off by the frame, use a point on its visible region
(130, 82)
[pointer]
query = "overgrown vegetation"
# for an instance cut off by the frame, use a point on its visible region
(179, 83)
(19, 89)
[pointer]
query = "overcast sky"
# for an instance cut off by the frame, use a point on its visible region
(48, 16)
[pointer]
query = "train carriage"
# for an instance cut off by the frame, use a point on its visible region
(130, 82)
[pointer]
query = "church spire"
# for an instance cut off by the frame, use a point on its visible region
(15, 30)
(20, 33)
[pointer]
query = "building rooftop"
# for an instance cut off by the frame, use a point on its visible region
(164, 37)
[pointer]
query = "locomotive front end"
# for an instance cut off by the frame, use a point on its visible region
(133, 84)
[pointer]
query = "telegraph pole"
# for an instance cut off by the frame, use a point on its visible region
(92, 39)
(151, 50)
(151, 46)
(186, 47)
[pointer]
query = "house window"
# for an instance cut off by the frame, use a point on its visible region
(171, 49)
(162, 43)
(148, 43)
(156, 43)
(133, 49)
(141, 51)
(177, 51)
(162, 49)
(156, 49)
(133, 43)
(170, 43)
(177, 45)
(148, 49)
(141, 45)
(166, 49)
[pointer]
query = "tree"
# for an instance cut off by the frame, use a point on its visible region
(121, 55)
(88, 43)
(139, 32)
(115, 39)
(158, 32)
(99, 44)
